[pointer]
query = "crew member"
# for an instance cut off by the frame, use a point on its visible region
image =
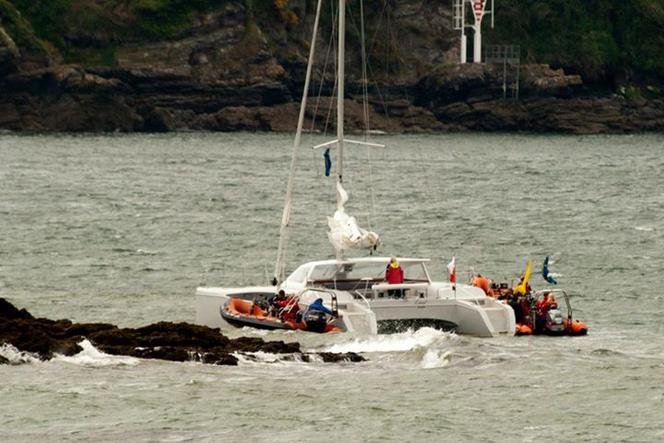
(277, 301)
(547, 302)
(484, 284)
(318, 306)
(291, 309)
(394, 276)
(316, 316)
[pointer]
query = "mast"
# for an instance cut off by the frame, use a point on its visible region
(340, 102)
(280, 266)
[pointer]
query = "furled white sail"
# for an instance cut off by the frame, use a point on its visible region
(344, 231)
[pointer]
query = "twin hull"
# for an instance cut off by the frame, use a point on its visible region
(482, 316)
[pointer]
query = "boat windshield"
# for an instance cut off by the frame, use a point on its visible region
(414, 272)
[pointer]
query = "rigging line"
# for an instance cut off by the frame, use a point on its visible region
(379, 92)
(280, 265)
(428, 192)
(387, 51)
(336, 79)
(315, 164)
(362, 86)
(399, 60)
(370, 50)
(324, 71)
(363, 81)
(330, 107)
(380, 21)
(365, 109)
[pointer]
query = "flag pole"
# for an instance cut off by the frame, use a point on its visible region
(451, 268)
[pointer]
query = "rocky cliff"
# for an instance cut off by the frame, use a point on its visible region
(239, 65)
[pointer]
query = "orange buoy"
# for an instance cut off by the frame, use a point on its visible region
(576, 327)
(522, 329)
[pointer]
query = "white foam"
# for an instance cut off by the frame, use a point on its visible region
(91, 356)
(16, 357)
(436, 358)
(254, 331)
(401, 342)
(644, 228)
(261, 358)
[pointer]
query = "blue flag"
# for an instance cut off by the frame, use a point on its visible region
(328, 162)
(545, 272)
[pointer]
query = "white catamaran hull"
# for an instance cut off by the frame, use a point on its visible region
(363, 295)
(481, 318)
(355, 316)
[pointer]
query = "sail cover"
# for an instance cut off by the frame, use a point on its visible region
(344, 231)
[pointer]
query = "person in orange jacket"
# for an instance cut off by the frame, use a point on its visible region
(484, 284)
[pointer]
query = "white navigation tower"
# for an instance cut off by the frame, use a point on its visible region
(479, 9)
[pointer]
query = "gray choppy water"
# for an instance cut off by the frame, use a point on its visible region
(123, 228)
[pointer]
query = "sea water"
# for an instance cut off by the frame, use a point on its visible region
(123, 228)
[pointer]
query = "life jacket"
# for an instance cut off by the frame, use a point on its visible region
(544, 305)
(484, 284)
(290, 315)
(394, 275)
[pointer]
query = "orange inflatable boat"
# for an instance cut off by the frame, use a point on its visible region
(241, 313)
(547, 312)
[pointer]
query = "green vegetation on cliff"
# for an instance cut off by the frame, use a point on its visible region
(603, 40)
(608, 42)
(19, 29)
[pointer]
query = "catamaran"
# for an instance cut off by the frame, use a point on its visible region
(357, 287)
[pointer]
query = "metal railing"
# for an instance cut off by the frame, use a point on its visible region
(502, 54)
(510, 57)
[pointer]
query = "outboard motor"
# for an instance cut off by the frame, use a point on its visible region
(316, 321)
(554, 321)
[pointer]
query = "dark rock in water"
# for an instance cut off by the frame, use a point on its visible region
(330, 357)
(3, 360)
(254, 344)
(163, 340)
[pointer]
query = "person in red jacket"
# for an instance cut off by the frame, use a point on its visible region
(394, 276)
(548, 302)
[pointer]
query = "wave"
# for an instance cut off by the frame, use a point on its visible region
(644, 228)
(436, 358)
(92, 357)
(16, 357)
(261, 358)
(401, 342)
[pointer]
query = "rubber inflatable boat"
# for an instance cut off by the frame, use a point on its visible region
(542, 314)
(241, 313)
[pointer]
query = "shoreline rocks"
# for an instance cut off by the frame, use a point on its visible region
(72, 99)
(164, 340)
(234, 71)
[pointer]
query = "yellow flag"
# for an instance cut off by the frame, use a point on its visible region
(521, 287)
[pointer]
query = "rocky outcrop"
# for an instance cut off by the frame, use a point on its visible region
(163, 340)
(476, 98)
